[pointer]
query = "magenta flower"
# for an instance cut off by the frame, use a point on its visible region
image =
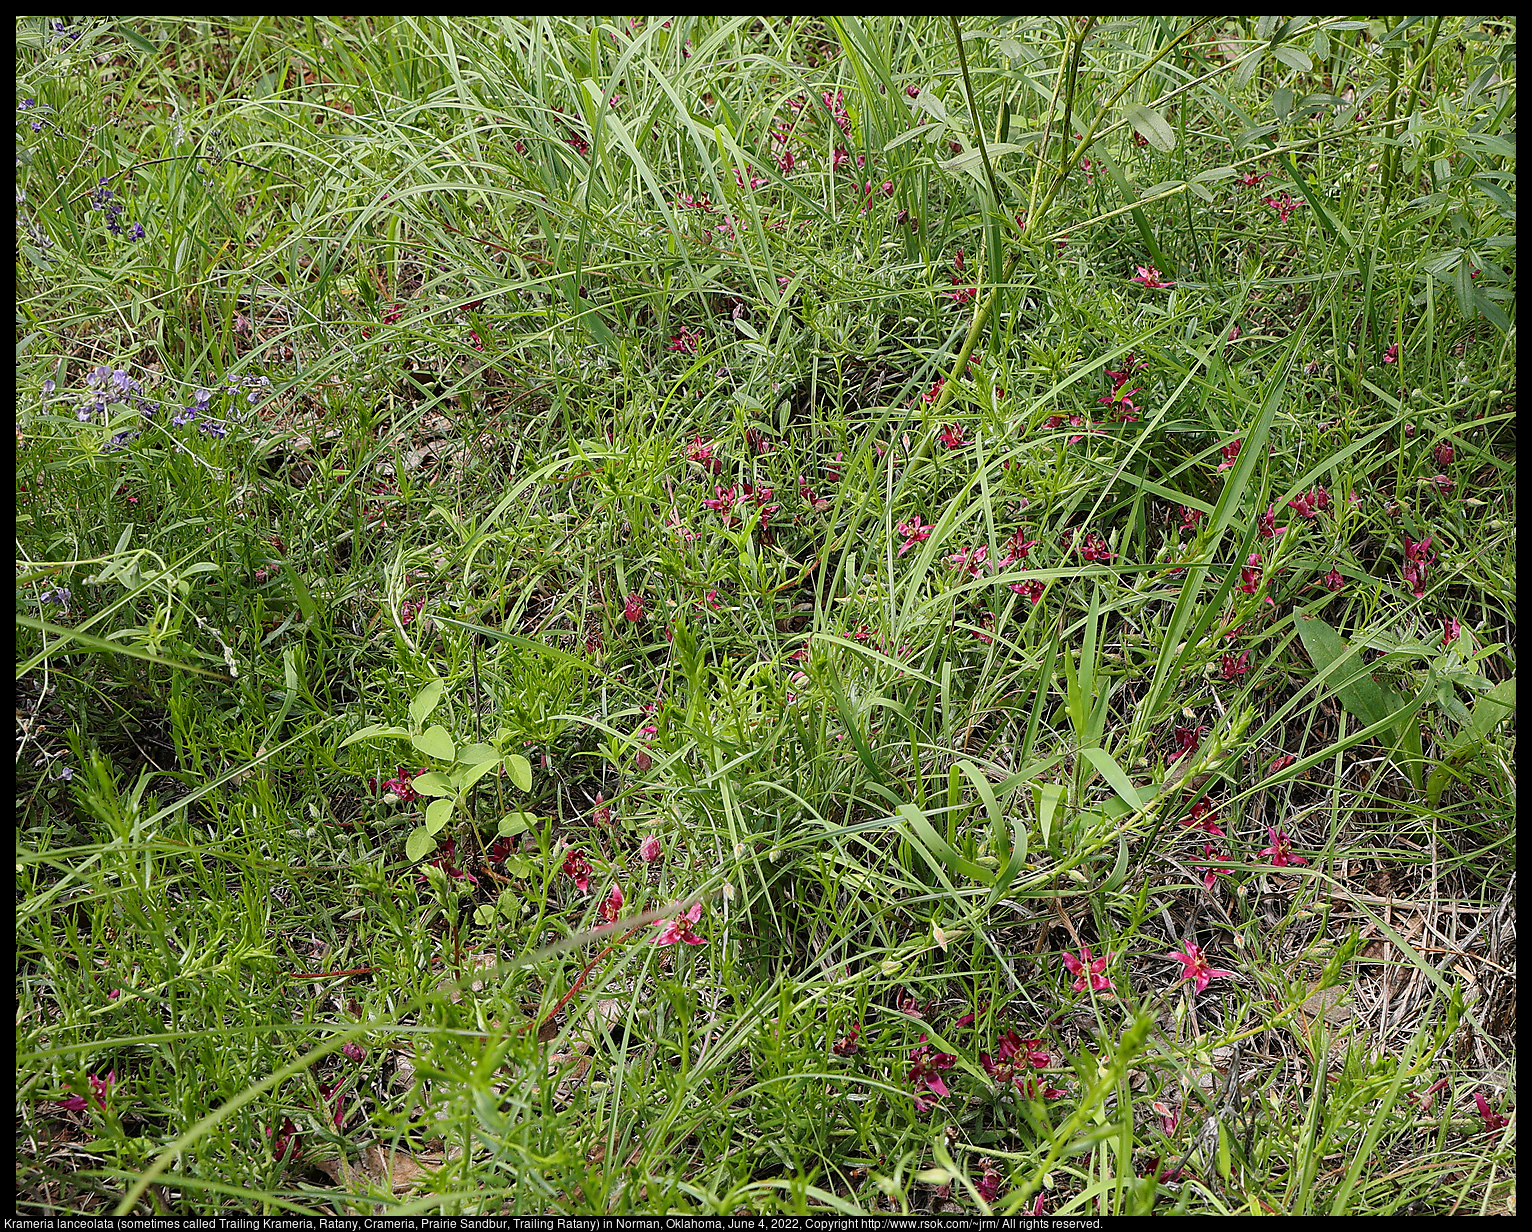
(285, 1140)
(701, 452)
(988, 1185)
(1280, 850)
(1250, 575)
(1493, 1121)
(1391, 356)
(970, 560)
(1211, 872)
(913, 532)
(952, 436)
(686, 341)
(1031, 589)
(578, 867)
(352, 1051)
(1195, 967)
(1266, 524)
(1443, 454)
(611, 905)
(1451, 630)
(1230, 452)
(602, 815)
(679, 928)
(1235, 666)
(1284, 205)
(1186, 740)
(1204, 817)
(1250, 179)
(1089, 970)
(650, 849)
(633, 609)
(1280, 763)
(1150, 277)
(926, 1074)
(1310, 503)
(1418, 559)
(1333, 580)
(847, 1044)
(1094, 548)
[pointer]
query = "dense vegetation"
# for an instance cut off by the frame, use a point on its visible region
(766, 614)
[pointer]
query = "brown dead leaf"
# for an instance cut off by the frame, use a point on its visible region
(396, 1171)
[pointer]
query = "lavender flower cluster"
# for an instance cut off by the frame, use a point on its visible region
(106, 387)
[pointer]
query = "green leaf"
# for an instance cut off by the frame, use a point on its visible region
(435, 742)
(465, 777)
(1151, 126)
(306, 603)
(1116, 777)
(473, 754)
(373, 732)
(419, 844)
(1047, 799)
(432, 783)
(1359, 693)
(89, 641)
(509, 903)
(438, 814)
(1293, 57)
(515, 823)
(520, 770)
(426, 701)
(1489, 711)
(939, 847)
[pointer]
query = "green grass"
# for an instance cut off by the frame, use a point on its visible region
(439, 339)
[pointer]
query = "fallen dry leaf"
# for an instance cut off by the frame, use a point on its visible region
(374, 1167)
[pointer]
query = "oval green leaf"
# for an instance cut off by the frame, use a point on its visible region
(465, 777)
(419, 844)
(432, 783)
(435, 742)
(377, 729)
(520, 770)
(1151, 126)
(438, 814)
(473, 754)
(426, 701)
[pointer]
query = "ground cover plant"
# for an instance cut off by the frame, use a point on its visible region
(768, 615)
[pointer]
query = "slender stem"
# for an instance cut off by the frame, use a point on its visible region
(973, 114)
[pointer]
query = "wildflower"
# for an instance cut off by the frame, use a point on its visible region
(1194, 966)
(1210, 872)
(1018, 548)
(1391, 356)
(1204, 817)
(1235, 667)
(1250, 574)
(650, 849)
(633, 609)
(1280, 850)
(926, 1074)
(101, 1088)
(1451, 630)
(1089, 970)
(410, 609)
(686, 341)
(1443, 454)
(1280, 763)
(1031, 589)
(759, 442)
(1094, 548)
(400, 785)
(701, 452)
(611, 905)
(1186, 740)
(1443, 483)
(952, 436)
(1234, 334)
(1250, 179)
(59, 596)
(1230, 452)
(679, 928)
(1333, 580)
(499, 850)
(970, 559)
(988, 1185)
(446, 861)
(1150, 277)
(578, 867)
(1418, 559)
(847, 1044)
(285, 1141)
(1284, 205)
(352, 1051)
(1493, 1121)
(1309, 505)
(905, 1003)
(1266, 524)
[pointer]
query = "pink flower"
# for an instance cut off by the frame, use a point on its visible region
(410, 609)
(1493, 1121)
(1204, 817)
(1451, 630)
(1333, 580)
(1210, 872)
(1186, 740)
(1031, 589)
(686, 341)
(1280, 763)
(988, 1185)
(1089, 970)
(847, 1044)
(1195, 967)
(1443, 454)
(1230, 452)
(602, 815)
(578, 867)
(1250, 179)
(285, 1140)
(1418, 559)
(701, 452)
(926, 1074)
(1094, 548)
(1391, 356)
(352, 1051)
(679, 928)
(1191, 518)
(650, 849)
(1310, 503)
(971, 560)
(1250, 575)
(633, 609)
(951, 436)
(1284, 205)
(1266, 524)
(1235, 667)
(1150, 277)
(611, 905)
(1280, 850)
